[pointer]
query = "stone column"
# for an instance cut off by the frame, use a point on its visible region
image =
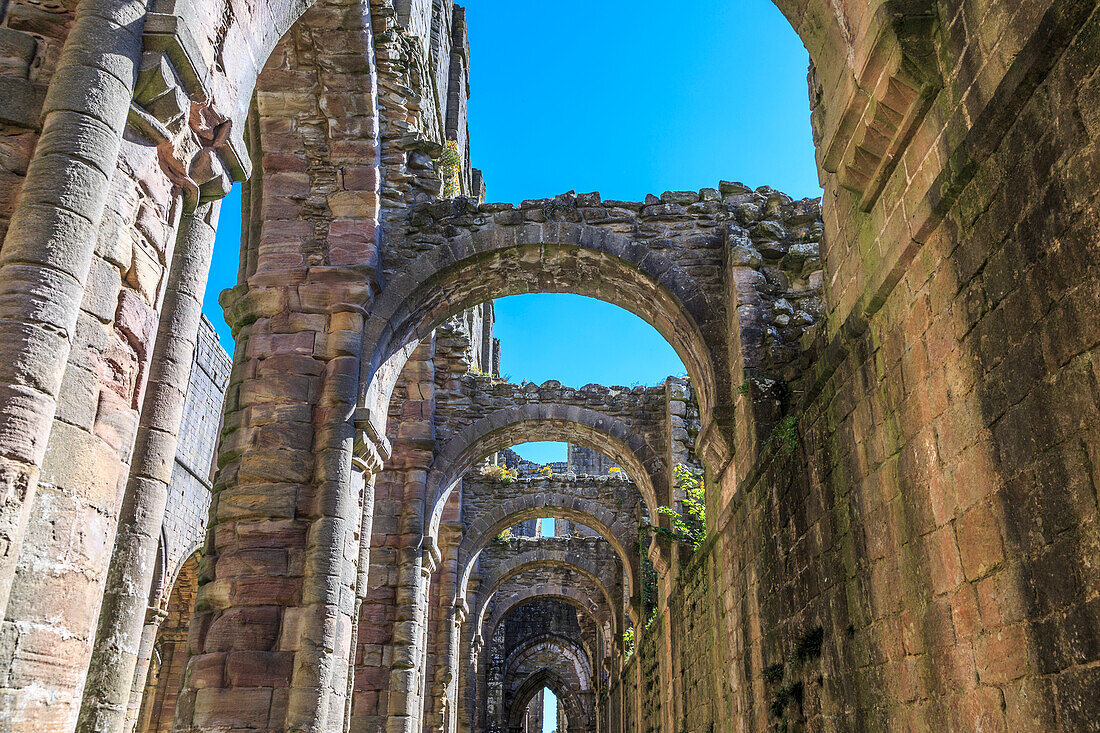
(456, 616)
(478, 686)
(154, 617)
(364, 473)
(272, 632)
(47, 253)
(636, 703)
(130, 577)
(408, 672)
(618, 693)
(271, 635)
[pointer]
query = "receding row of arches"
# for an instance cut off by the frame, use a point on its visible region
(346, 507)
(420, 628)
(565, 602)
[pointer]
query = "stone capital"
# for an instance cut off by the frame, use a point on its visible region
(372, 448)
(432, 559)
(461, 611)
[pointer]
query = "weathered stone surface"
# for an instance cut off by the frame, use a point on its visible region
(895, 387)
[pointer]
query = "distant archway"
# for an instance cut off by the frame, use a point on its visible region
(533, 561)
(622, 538)
(566, 423)
(547, 679)
(599, 616)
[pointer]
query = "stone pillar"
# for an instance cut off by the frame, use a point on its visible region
(272, 632)
(130, 577)
(448, 687)
(479, 686)
(48, 250)
(408, 672)
(271, 635)
(618, 692)
(154, 617)
(363, 473)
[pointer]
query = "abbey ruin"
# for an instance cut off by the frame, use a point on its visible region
(892, 406)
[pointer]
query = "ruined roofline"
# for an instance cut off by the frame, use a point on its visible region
(565, 477)
(726, 192)
(535, 543)
(501, 386)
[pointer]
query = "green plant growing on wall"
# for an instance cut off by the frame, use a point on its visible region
(505, 535)
(785, 435)
(809, 646)
(689, 527)
(806, 649)
(629, 641)
(450, 169)
(496, 378)
(648, 586)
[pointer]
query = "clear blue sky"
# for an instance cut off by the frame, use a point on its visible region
(549, 711)
(625, 97)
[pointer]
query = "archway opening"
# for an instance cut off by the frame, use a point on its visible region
(169, 657)
(551, 710)
(665, 300)
(757, 127)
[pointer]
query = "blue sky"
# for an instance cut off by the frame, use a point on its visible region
(625, 97)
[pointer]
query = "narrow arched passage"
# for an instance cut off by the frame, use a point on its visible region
(576, 597)
(169, 655)
(622, 536)
(571, 650)
(546, 678)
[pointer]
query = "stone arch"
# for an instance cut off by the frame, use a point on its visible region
(546, 678)
(168, 576)
(583, 511)
(497, 261)
(820, 24)
(570, 596)
(307, 144)
(533, 561)
(568, 423)
(571, 652)
(576, 651)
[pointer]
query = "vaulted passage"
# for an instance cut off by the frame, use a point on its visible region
(868, 502)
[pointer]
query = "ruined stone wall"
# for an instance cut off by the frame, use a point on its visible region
(693, 651)
(616, 494)
(192, 476)
(918, 553)
(589, 462)
(532, 718)
(648, 683)
(476, 396)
